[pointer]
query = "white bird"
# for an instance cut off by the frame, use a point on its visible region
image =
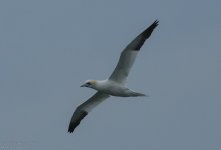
(115, 84)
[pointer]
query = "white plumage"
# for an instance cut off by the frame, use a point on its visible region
(115, 84)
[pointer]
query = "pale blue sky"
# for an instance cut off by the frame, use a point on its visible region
(48, 48)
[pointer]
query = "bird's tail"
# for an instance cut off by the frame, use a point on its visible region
(138, 94)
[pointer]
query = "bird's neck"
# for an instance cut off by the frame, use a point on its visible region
(99, 84)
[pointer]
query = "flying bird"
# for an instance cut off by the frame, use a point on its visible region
(115, 84)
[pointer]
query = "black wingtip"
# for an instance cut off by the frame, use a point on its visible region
(138, 42)
(77, 121)
(154, 25)
(156, 22)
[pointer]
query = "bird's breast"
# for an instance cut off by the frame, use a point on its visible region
(114, 90)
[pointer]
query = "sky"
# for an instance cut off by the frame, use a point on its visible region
(48, 48)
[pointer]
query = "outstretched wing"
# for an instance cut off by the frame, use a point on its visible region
(128, 55)
(85, 108)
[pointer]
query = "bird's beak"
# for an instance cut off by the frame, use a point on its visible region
(84, 85)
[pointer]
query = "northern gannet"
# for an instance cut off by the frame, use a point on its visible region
(115, 84)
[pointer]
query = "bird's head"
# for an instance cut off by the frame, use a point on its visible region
(89, 83)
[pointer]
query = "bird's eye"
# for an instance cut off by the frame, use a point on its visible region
(88, 83)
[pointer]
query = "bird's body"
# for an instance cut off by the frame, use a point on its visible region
(115, 84)
(113, 88)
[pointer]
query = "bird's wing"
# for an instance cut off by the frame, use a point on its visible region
(83, 109)
(128, 55)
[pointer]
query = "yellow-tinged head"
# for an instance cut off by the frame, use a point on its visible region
(89, 83)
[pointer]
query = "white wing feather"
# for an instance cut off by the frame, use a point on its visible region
(85, 108)
(119, 75)
(129, 54)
